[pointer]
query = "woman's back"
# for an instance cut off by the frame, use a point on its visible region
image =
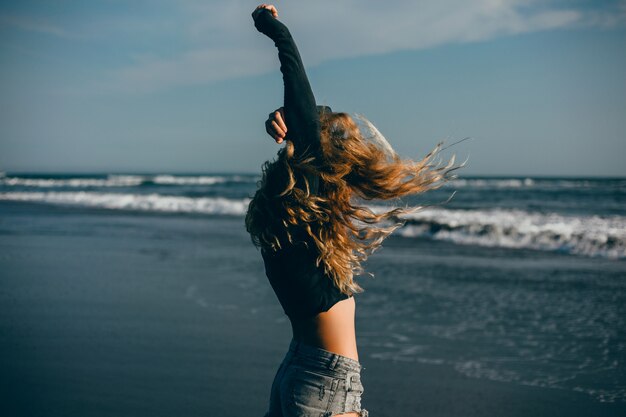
(333, 330)
(319, 313)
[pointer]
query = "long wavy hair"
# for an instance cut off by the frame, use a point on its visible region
(285, 210)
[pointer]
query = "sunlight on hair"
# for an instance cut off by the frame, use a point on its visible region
(355, 162)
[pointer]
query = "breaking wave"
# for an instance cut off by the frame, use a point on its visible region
(123, 180)
(493, 183)
(135, 202)
(110, 181)
(114, 180)
(588, 235)
(535, 183)
(199, 180)
(581, 235)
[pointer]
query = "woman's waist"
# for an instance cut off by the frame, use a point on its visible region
(333, 330)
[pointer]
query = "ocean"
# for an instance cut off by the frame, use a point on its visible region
(516, 280)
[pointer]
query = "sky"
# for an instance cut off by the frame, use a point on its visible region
(185, 86)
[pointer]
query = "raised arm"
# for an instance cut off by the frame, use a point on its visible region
(300, 110)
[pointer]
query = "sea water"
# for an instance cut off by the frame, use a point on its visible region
(512, 279)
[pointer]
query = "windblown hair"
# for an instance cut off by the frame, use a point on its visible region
(284, 209)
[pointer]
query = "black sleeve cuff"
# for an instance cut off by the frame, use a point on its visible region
(268, 25)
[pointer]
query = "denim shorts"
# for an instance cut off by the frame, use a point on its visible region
(313, 382)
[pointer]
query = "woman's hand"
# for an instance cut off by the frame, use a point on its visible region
(275, 125)
(260, 7)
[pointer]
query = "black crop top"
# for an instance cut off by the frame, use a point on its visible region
(303, 288)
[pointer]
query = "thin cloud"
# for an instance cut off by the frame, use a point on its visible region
(192, 67)
(222, 43)
(34, 25)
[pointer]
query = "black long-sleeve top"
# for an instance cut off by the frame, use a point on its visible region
(301, 113)
(302, 287)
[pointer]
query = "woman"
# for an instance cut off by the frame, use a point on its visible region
(313, 236)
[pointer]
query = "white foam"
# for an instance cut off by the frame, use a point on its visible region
(110, 181)
(535, 183)
(178, 180)
(492, 183)
(583, 235)
(122, 181)
(138, 202)
(166, 179)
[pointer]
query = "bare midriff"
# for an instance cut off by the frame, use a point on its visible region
(332, 330)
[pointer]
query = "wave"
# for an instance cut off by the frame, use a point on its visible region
(204, 180)
(581, 235)
(199, 180)
(110, 181)
(492, 183)
(123, 181)
(134, 202)
(535, 183)
(603, 236)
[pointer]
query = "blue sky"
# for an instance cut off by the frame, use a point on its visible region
(185, 86)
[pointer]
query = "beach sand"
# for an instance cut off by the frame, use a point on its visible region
(166, 316)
